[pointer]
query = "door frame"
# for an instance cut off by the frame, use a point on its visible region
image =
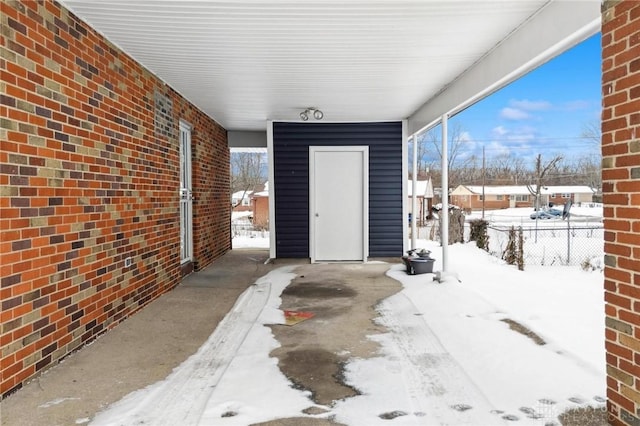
(186, 193)
(364, 149)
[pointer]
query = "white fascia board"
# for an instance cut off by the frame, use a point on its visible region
(557, 27)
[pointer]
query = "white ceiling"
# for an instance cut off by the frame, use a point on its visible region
(247, 61)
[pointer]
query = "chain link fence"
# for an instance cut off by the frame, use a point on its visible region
(579, 244)
(243, 227)
(558, 243)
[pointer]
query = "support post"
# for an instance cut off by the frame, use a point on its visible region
(483, 180)
(414, 184)
(444, 231)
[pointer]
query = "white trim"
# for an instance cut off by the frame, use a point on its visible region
(567, 21)
(186, 253)
(405, 189)
(365, 194)
(272, 191)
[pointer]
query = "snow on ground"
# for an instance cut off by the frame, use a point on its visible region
(243, 215)
(448, 358)
(519, 216)
(253, 239)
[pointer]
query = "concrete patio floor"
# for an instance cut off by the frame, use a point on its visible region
(142, 350)
(146, 347)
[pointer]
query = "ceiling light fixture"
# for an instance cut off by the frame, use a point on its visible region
(317, 114)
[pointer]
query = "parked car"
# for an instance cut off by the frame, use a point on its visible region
(541, 214)
(554, 212)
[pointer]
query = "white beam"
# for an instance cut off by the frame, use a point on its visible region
(272, 191)
(554, 29)
(414, 186)
(405, 190)
(444, 213)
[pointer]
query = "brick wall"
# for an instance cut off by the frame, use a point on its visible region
(260, 211)
(621, 197)
(89, 175)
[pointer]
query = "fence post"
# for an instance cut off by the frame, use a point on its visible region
(568, 240)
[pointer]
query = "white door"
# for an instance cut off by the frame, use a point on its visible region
(339, 198)
(186, 195)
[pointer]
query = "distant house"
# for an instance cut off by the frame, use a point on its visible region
(424, 198)
(577, 194)
(502, 197)
(260, 207)
(241, 201)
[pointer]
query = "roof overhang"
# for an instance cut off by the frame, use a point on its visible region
(554, 29)
(245, 62)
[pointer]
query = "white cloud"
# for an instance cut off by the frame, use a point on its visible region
(527, 105)
(514, 114)
(523, 134)
(497, 148)
(499, 131)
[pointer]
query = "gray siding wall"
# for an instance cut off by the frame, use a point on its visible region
(291, 143)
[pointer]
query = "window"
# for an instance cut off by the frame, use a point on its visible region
(480, 197)
(522, 197)
(499, 197)
(552, 196)
(566, 195)
(246, 202)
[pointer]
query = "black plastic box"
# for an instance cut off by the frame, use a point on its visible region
(418, 265)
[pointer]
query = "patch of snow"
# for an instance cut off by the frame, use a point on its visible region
(56, 401)
(224, 382)
(251, 241)
(448, 357)
(235, 216)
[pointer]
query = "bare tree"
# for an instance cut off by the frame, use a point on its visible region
(431, 142)
(592, 132)
(540, 173)
(506, 169)
(248, 171)
(433, 139)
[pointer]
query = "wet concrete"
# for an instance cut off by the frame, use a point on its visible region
(343, 299)
(146, 347)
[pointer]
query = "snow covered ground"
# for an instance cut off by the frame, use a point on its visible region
(519, 216)
(449, 357)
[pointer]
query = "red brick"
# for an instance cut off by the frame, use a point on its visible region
(629, 107)
(615, 174)
(55, 122)
(618, 148)
(619, 301)
(629, 81)
(616, 199)
(615, 123)
(614, 99)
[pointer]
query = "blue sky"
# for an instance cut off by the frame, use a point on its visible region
(543, 112)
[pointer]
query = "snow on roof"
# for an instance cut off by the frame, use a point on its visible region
(241, 194)
(571, 189)
(522, 189)
(264, 192)
(423, 188)
(499, 190)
